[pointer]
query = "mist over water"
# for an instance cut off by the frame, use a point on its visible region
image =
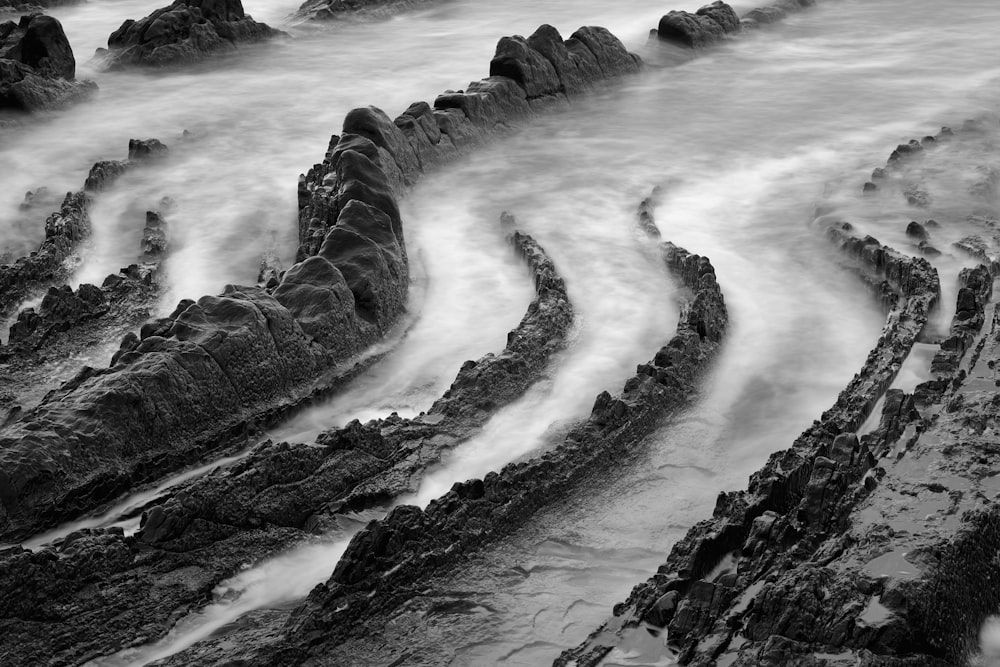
(744, 143)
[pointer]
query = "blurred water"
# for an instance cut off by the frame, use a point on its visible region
(745, 142)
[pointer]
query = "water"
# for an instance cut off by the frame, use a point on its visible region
(744, 141)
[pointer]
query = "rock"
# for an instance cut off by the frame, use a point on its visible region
(270, 272)
(103, 174)
(145, 149)
(186, 32)
(516, 60)
(39, 42)
(690, 30)
(799, 498)
(37, 67)
(916, 231)
(64, 229)
(412, 545)
(154, 236)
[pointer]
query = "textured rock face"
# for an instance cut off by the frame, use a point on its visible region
(857, 548)
(37, 68)
(64, 230)
(714, 22)
(278, 495)
(224, 361)
(186, 32)
(796, 492)
(392, 560)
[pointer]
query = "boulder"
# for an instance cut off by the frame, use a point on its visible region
(697, 30)
(186, 32)
(37, 67)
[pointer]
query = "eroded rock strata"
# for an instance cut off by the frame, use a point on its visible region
(717, 576)
(279, 496)
(222, 364)
(390, 560)
(186, 32)
(52, 263)
(44, 340)
(218, 365)
(715, 22)
(37, 67)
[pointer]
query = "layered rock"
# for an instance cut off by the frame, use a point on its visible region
(37, 67)
(64, 230)
(717, 21)
(245, 349)
(391, 560)
(227, 362)
(186, 32)
(706, 582)
(278, 495)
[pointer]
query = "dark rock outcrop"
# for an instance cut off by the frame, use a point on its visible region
(188, 31)
(64, 230)
(225, 362)
(37, 68)
(705, 27)
(793, 496)
(390, 560)
(278, 495)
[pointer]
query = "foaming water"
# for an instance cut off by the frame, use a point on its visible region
(745, 143)
(473, 291)
(257, 120)
(624, 303)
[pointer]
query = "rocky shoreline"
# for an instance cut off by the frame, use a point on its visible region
(346, 292)
(852, 546)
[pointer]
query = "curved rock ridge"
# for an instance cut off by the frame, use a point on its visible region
(37, 67)
(186, 32)
(68, 323)
(889, 569)
(65, 229)
(385, 457)
(216, 368)
(914, 174)
(279, 495)
(212, 365)
(705, 573)
(716, 21)
(390, 560)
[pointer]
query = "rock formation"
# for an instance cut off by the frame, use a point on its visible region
(65, 229)
(279, 495)
(228, 361)
(188, 31)
(391, 560)
(37, 67)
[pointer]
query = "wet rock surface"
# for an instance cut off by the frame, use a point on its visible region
(37, 67)
(53, 261)
(390, 562)
(219, 367)
(186, 32)
(280, 495)
(858, 546)
(257, 351)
